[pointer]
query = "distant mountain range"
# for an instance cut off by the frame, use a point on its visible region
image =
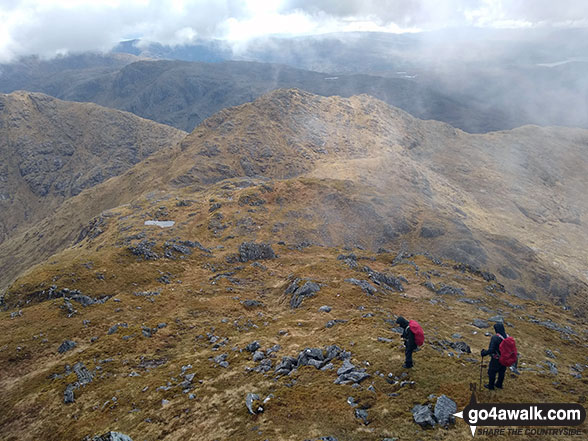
(52, 150)
(494, 201)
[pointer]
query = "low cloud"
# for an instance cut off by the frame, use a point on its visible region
(50, 27)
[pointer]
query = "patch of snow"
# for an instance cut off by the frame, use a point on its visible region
(332, 78)
(161, 224)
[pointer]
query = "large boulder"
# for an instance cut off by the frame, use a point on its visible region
(444, 410)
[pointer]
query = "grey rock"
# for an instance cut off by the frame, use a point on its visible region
(252, 303)
(479, 323)
(332, 352)
(352, 377)
(334, 322)
(68, 394)
(364, 285)
(363, 415)
(83, 374)
(423, 416)
(444, 410)
(387, 281)
(497, 319)
(220, 358)
(258, 356)
(112, 436)
(325, 308)
(549, 353)
(385, 340)
(552, 367)
(315, 353)
(67, 345)
(253, 251)
(299, 293)
(252, 406)
(253, 346)
(115, 327)
(461, 346)
(345, 368)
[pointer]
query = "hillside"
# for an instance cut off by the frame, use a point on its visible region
(156, 327)
(53, 150)
(183, 94)
(482, 208)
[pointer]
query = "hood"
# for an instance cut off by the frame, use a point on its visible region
(402, 321)
(499, 328)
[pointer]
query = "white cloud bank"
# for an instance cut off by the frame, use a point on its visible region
(50, 27)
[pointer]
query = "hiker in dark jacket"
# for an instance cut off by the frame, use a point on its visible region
(494, 367)
(409, 344)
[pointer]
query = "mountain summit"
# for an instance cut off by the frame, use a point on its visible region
(245, 282)
(424, 185)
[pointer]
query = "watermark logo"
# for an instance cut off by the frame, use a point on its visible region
(499, 415)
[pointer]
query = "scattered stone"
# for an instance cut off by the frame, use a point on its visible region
(334, 322)
(253, 346)
(363, 415)
(444, 410)
(112, 436)
(253, 251)
(423, 416)
(385, 340)
(68, 394)
(497, 319)
(549, 353)
(364, 285)
(385, 280)
(258, 356)
(479, 323)
(144, 250)
(350, 260)
(253, 404)
(301, 292)
(83, 374)
(147, 293)
(115, 327)
(325, 308)
(552, 367)
(443, 289)
(461, 346)
(252, 303)
(67, 345)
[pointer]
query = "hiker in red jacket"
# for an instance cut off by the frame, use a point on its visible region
(409, 343)
(495, 367)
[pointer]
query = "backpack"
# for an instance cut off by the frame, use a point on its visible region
(419, 335)
(508, 351)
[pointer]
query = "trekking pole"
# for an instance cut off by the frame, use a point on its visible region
(481, 367)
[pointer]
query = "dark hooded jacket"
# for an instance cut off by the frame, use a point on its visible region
(493, 350)
(407, 335)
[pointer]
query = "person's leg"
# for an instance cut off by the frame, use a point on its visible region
(491, 379)
(501, 373)
(408, 358)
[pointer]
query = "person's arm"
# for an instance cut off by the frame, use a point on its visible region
(493, 347)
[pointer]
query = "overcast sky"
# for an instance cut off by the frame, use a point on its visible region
(49, 27)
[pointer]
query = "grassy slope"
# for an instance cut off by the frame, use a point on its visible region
(32, 405)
